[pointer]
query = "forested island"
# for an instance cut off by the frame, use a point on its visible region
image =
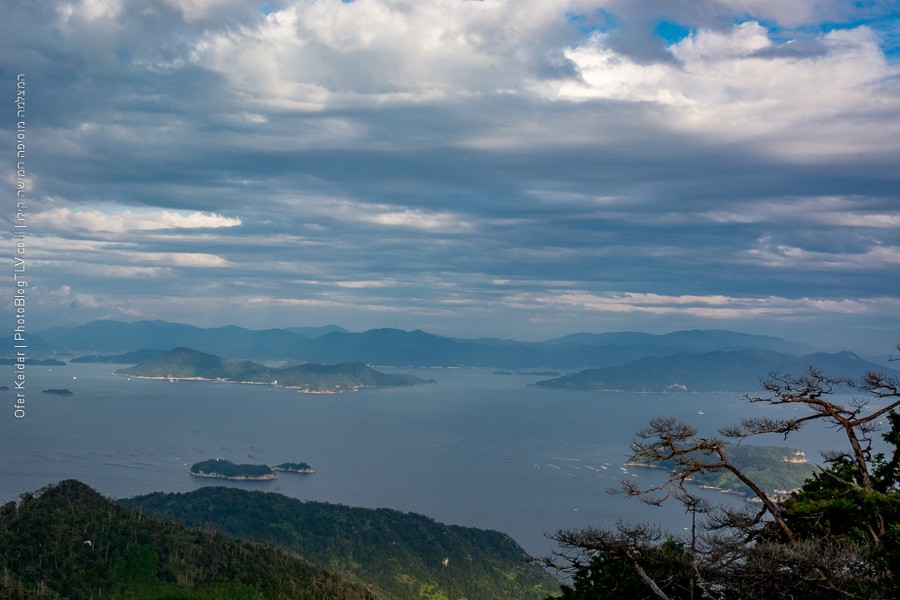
(219, 468)
(290, 467)
(58, 392)
(190, 364)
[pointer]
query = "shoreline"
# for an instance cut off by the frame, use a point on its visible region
(268, 477)
(298, 389)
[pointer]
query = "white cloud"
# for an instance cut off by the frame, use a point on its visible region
(179, 259)
(323, 52)
(835, 211)
(381, 214)
(834, 102)
(706, 307)
(774, 255)
(119, 220)
(89, 10)
(362, 284)
(65, 296)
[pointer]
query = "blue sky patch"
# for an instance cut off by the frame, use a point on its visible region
(671, 31)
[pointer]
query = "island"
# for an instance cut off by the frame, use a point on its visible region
(189, 364)
(44, 362)
(290, 467)
(219, 468)
(58, 392)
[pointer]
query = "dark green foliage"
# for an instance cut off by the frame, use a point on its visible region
(401, 554)
(68, 541)
(610, 576)
(218, 467)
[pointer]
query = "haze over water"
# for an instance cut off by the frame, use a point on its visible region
(476, 449)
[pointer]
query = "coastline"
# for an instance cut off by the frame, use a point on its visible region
(298, 389)
(267, 477)
(299, 471)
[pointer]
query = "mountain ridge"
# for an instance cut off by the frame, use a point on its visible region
(396, 347)
(69, 541)
(399, 553)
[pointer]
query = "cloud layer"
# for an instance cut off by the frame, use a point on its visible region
(515, 168)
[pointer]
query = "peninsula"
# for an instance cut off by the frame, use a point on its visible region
(190, 364)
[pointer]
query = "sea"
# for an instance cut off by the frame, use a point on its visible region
(476, 448)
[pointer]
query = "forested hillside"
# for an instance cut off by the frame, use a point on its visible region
(407, 556)
(69, 542)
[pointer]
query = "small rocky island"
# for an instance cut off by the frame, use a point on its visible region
(290, 467)
(219, 468)
(59, 392)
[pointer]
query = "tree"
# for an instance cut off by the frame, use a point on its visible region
(838, 536)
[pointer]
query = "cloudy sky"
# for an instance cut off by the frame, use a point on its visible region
(511, 168)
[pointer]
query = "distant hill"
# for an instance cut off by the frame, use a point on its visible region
(116, 337)
(46, 362)
(697, 340)
(332, 344)
(36, 345)
(725, 371)
(69, 542)
(187, 363)
(128, 358)
(404, 555)
(316, 332)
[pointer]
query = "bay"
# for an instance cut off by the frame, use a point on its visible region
(475, 449)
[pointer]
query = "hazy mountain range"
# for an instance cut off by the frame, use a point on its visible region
(693, 361)
(331, 344)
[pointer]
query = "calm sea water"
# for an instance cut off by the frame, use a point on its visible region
(476, 449)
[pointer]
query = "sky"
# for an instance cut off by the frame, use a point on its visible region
(508, 168)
